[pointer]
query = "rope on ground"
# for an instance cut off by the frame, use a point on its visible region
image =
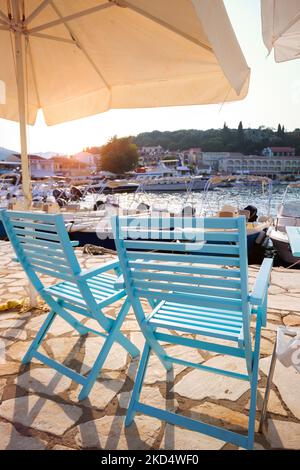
(97, 250)
(10, 304)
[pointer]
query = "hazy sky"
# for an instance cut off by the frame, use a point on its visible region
(274, 96)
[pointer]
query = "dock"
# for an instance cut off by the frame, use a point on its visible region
(39, 407)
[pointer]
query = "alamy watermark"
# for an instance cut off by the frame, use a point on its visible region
(158, 226)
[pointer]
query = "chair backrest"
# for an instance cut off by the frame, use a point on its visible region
(42, 245)
(203, 264)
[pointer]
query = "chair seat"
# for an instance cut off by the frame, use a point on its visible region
(213, 322)
(101, 286)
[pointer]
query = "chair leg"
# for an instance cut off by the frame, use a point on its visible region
(120, 338)
(128, 345)
(267, 392)
(77, 325)
(39, 337)
(138, 384)
(113, 335)
(253, 391)
(94, 372)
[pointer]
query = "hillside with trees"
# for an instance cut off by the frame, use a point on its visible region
(119, 155)
(247, 141)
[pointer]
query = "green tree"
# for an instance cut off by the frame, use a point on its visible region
(119, 155)
(279, 130)
(241, 137)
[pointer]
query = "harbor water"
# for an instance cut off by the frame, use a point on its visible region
(212, 201)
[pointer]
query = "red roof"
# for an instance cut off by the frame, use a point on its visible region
(282, 149)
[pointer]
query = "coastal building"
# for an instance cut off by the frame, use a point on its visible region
(261, 165)
(192, 157)
(88, 158)
(151, 155)
(40, 167)
(214, 159)
(279, 152)
(67, 166)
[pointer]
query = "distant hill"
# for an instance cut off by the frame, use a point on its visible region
(47, 154)
(247, 141)
(4, 153)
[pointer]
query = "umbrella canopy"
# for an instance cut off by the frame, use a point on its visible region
(75, 58)
(281, 28)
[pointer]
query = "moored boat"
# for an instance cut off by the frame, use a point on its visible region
(288, 214)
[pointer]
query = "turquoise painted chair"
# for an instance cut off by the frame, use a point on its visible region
(42, 246)
(198, 287)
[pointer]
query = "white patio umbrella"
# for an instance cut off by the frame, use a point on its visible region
(281, 28)
(75, 58)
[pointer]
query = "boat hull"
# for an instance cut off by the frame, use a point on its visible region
(283, 248)
(255, 254)
(174, 187)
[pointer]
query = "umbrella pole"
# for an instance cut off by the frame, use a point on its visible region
(19, 54)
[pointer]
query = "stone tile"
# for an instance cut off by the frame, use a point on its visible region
(109, 432)
(271, 326)
(43, 380)
(273, 316)
(58, 447)
(11, 439)
(101, 394)
(36, 322)
(130, 325)
(4, 344)
(230, 419)
(2, 387)
(13, 316)
(274, 404)
(200, 384)
(9, 368)
(269, 334)
(283, 434)
(292, 320)
(151, 396)
(284, 302)
(62, 347)
(14, 333)
(275, 290)
(124, 399)
(116, 359)
(256, 446)
(17, 351)
(156, 372)
(40, 414)
(60, 327)
(287, 380)
(266, 346)
(285, 279)
(183, 439)
(90, 323)
(138, 339)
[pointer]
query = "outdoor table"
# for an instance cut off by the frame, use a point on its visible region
(294, 239)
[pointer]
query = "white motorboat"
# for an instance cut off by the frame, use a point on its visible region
(288, 214)
(167, 179)
(9, 187)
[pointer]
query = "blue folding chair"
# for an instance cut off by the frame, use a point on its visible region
(42, 246)
(198, 285)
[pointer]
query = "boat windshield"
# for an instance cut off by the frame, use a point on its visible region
(290, 209)
(290, 205)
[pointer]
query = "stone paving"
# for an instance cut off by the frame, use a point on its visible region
(39, 407)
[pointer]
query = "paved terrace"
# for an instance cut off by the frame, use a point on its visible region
(39, 407)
